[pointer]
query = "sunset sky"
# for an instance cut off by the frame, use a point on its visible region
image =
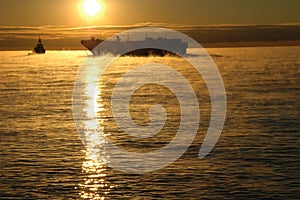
(118, 12)
(62, 23)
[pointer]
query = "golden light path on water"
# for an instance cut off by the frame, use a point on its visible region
(95, 185)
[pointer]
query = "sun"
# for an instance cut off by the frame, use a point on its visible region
(91, 7)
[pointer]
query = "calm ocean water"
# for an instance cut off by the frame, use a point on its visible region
(257, 155)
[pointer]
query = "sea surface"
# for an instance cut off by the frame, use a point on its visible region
(256, 157)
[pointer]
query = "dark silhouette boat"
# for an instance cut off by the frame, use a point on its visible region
(136, 48)
(39, 48)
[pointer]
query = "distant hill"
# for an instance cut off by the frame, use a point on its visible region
(254, 35)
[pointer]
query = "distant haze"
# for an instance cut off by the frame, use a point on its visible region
(58, 37)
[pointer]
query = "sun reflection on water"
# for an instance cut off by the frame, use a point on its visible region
(95, 184)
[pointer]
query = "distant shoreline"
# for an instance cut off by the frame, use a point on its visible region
(220, 36)
(205, 45)
(252, 44)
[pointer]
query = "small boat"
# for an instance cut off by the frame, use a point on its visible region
(39, 48)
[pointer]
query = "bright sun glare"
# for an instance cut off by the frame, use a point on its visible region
(91, 7)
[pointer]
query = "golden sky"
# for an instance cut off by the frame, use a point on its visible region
(121, 12)
(63, 23)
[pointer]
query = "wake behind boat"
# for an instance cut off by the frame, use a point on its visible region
(118, 47)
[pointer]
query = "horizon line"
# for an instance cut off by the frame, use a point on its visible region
(150, 24)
